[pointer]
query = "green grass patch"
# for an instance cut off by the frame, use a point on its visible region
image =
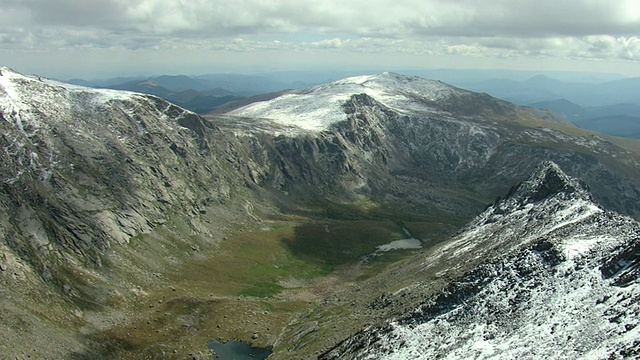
(257, 263)
(244, 263)
(262, 289)
(332, 244)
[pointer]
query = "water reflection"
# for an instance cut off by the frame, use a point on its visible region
(238, 350)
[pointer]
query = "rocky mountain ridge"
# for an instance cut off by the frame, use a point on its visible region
(85, 171)
(89, 167)
(425, 129)
(316, 108)
(556, 276)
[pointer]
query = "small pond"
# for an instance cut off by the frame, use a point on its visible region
(238, 350)
(401, 244)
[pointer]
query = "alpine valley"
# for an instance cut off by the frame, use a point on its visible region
(346, 220)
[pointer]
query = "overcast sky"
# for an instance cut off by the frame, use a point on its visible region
(98, 38)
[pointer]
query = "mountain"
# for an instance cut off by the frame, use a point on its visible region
(163, 85)
(616, 125)
(212, 84)
(535, 89)
(564, 107)
(182, 82)
(170, 82)
(616, 119)
(249, 85)
(200, 101)
(319, 107)
(131, 226)
(547, 273)
(86, 171)
(610, 107)
(105, 83)
(543, 88)
(201, 94)
(403, 129)
(463, 77)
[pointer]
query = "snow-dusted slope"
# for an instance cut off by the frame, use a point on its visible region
(82, 150)
(33, 110)
(21, 95)
(318, 107)
(560, 282)
(81, 171)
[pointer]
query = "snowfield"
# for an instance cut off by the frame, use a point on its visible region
(20, 93)
(316, 108)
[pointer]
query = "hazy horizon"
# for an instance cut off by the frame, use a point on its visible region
(100, 39)
(450, 75)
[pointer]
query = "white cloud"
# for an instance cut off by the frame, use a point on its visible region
(334, 43)
(587, 29)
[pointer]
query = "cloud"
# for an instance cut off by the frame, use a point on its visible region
(529, 19)
(76, 13)
(591, 29)
(364, 18)
(334, 43)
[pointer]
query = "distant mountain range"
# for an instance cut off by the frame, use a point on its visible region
(617, 119)
(187, 92)
(242, 85)
(520, 87)
(611, 107)
(201, 94)
(600, 102)
(543, 88)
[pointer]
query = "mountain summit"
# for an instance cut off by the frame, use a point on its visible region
(316, 108)
(553, 278)
(547, 181)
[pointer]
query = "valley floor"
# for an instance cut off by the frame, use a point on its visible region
(275, 283)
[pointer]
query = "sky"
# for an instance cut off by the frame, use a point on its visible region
(105, 38)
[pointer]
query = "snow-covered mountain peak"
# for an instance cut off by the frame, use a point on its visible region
(393, 81)
(32, 108)
(556, 277)
(549, 196)
(548, 202)
(7, 70)
(316, 108)
(18, 91)
(548, 180)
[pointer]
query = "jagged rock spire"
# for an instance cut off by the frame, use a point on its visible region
(546, 181)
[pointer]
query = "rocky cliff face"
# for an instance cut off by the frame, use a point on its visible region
(553, 275)
(448, 148)
(86, 169)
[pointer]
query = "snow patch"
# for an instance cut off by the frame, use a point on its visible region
(316, 108)
(580, 246)
(578, 211)
(35, 108)
(401, 244)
